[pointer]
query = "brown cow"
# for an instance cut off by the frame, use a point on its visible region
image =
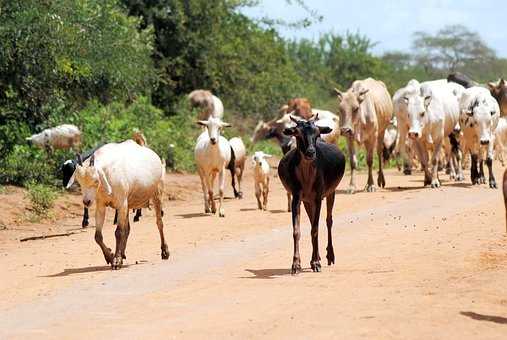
(499, 92)
(300, 107)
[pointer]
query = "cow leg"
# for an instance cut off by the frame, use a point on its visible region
(313, 212)
(289, 202)
(381, 181)
(221, 186)
(370, 186)
(457, 156)
(402, 145)
(137, 215)
(85, 222)
(449, 159)
(329, 223)
(232, 169)
(474, 173)
(353, 164)
(422, 153)
(489, 163)
(482, 178)
(435, 182)
(157, 202)
(258, 195)
(121, 236)
(115, 217)
(100, 214)
(296, 234)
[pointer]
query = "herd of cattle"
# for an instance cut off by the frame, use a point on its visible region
(452, 122)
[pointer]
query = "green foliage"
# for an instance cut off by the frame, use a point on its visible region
(42, 198)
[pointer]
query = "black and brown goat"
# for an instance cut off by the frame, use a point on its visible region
(311, 172)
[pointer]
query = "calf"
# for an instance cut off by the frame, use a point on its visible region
(261, 178)
(311, 172)
(123, 176)
(365, 111)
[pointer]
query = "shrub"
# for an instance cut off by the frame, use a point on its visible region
(41, 197)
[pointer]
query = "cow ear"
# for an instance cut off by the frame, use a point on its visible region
(427, 101)
(362, 93)
(492, 86)
(501, 83)
(289, 131)
(267, 155)
(223, 124)
(202, 122)
(324, 129)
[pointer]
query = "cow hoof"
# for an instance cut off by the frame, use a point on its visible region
(370, 188)
(84, 224)
(240, 195)
(221, 214)
(407, 171)
(296, 269)
(136, 218)
(435, 184)
(460, 178)
(483, 180)
(351, 190)
(165, 253)
(207, 210)
(492, 184)
(116, 263)
(316, 266)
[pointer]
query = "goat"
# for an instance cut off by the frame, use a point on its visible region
(261, 178)
(210, 104)
(311, 172)
(123, 176)
(212, 153)
(237, 164)
(65, 136)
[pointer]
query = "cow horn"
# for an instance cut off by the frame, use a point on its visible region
(314, 117)
(79, 159)
(92, 160)
(294, 119)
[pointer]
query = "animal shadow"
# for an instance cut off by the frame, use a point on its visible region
(277, 211)
(269, 274)
(248, 209)
(192, 215)
(484, 317)
(82, 270)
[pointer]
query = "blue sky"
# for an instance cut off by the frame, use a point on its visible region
(391, 23)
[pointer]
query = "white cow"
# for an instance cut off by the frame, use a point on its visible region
(212, 154)
(479, 116)
(429, 112)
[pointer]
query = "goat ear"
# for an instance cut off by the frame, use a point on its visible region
(202, 122)
(338, 93)
(267, 155)
(324, 129)
(289, 131)
(71, 180)
(427, 101)
(492, 86)
(104, 182)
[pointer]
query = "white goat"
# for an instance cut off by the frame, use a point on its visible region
(60, 137)
(237, 164)
(123, 176)
(261, 178)
(212, 154)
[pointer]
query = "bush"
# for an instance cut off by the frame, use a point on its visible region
(42, 198)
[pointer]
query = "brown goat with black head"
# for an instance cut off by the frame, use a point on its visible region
(311, 172)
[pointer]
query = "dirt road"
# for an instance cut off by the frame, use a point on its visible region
(412, 263)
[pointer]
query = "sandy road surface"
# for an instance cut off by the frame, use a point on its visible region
(412, 263)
